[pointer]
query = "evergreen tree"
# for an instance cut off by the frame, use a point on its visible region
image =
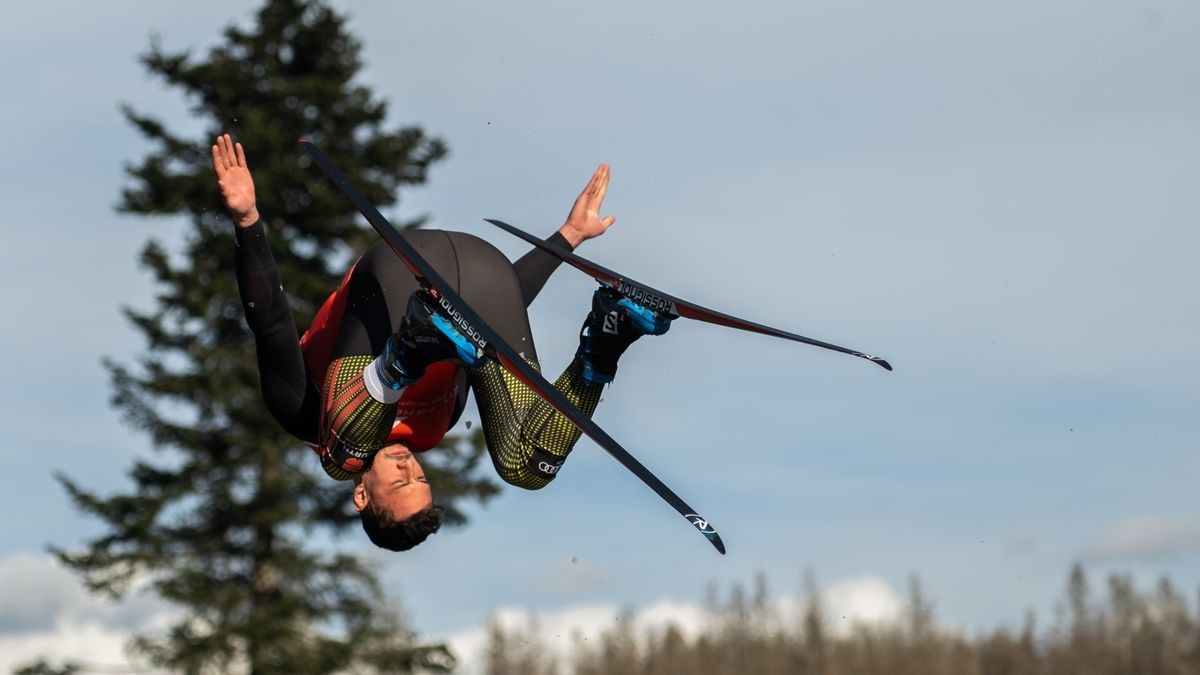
(217, 522)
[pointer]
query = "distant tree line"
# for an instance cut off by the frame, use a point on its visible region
(1117, 632)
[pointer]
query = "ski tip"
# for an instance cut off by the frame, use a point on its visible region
(710, 533)
(875, 359)
(717, 543)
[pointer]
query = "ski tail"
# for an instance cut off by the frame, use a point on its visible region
(666, 303)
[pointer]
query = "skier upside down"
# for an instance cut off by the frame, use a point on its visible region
(380, 376)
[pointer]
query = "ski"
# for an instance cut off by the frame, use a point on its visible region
(668, 304)
(489, 343)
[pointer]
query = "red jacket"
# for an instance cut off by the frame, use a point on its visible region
(426, 407)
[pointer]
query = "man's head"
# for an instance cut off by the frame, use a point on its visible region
(394, 500)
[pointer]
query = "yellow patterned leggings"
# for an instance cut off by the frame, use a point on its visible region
(527, 439)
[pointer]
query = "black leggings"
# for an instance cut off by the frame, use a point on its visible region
(381, 285)
(527, 440)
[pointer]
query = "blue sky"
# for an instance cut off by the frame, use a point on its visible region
(999, 198)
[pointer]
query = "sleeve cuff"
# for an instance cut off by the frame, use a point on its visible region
(560, 241)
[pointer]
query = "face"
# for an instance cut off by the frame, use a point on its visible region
(395, 482)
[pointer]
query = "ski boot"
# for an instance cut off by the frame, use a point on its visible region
(424, 337)
(614, 323)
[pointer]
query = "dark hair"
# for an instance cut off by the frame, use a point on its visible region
(400, 535)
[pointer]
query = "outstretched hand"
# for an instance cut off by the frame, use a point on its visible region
(584, 221)
(233, 177)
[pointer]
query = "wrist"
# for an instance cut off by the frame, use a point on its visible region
(573, 236)
(246, 219)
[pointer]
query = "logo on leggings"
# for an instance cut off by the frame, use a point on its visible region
(700, 523)
(544, 464)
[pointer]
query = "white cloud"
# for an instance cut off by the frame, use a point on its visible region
(90, 644)
(34, 591)
(48, 614)
(847, 604)
(553, 631)
(689, 619)
(862, 601)
(1147, 538)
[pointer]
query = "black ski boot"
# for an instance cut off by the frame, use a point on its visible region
(424, 337)
(614, 323)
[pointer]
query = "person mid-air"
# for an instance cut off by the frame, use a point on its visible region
(380, 377)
